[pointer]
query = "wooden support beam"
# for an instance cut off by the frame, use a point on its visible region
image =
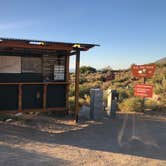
(34, 83)
(26, 45)
(32, 110)
(67, 86)
(20, 97)
(45, 98)
(77, 73)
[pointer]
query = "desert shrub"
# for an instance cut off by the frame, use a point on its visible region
(101, 78)
(87, 69)
(106, 70)
(83, 80)
(71, 103)
(130, 92)
(106, 85)
(123, 79)
(131, 105)
(159, 80)
(82, 101)
(84, 90)
(123, 94)
(87, 99)
(72, 91)
(152, 105)
(158, 89)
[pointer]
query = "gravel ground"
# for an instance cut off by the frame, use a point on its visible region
(129, 139)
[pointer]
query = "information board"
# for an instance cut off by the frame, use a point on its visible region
(143, 90)
(145, 71)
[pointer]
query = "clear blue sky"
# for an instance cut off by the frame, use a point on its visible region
(129, 31)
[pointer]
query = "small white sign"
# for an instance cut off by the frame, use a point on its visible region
(59, 72)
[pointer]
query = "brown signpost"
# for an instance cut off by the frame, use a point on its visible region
(143, 90)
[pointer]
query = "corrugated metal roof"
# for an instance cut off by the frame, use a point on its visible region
(49, 42)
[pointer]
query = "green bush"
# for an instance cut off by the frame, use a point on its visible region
(71, 103)
(83, 80)
(122, 94)
(72, 91)
(82, 101)
(152, 105)
(84, 90)
(87, 69)
(131, 105)
(130, 92)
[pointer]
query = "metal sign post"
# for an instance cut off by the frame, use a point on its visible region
(143, 100)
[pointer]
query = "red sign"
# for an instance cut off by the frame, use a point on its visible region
(143, 90)
(143, 70)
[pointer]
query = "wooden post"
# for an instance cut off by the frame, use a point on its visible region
(67, 80)
(77, 73)
(143, 100)
(20, 97)
(44, 97)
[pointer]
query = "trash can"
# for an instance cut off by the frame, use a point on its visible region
(96, 104)
(112, 100)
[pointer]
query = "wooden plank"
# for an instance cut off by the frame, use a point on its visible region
(8, 111)
(32, 110)
(26, 45)
(57, 109)
(33, 83)
(9, 83)
(77, 73)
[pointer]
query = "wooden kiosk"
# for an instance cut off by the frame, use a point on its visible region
(34, 75)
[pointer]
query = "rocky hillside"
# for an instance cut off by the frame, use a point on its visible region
(161, 61)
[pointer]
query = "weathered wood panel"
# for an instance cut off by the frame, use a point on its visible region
(10, 64)
(31, 65)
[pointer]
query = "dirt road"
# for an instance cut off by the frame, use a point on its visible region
(41, 141)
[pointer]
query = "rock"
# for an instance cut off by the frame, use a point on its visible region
(18, 114)
(8, 120)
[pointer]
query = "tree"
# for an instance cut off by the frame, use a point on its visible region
(87, 69)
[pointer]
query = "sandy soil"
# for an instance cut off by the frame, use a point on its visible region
(127, 140)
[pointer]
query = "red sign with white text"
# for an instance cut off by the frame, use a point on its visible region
(143, 70)
(143, 90)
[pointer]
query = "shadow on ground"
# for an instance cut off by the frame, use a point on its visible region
(128, 134)
(18, 157)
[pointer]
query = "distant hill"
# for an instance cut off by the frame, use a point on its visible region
(161, 61)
